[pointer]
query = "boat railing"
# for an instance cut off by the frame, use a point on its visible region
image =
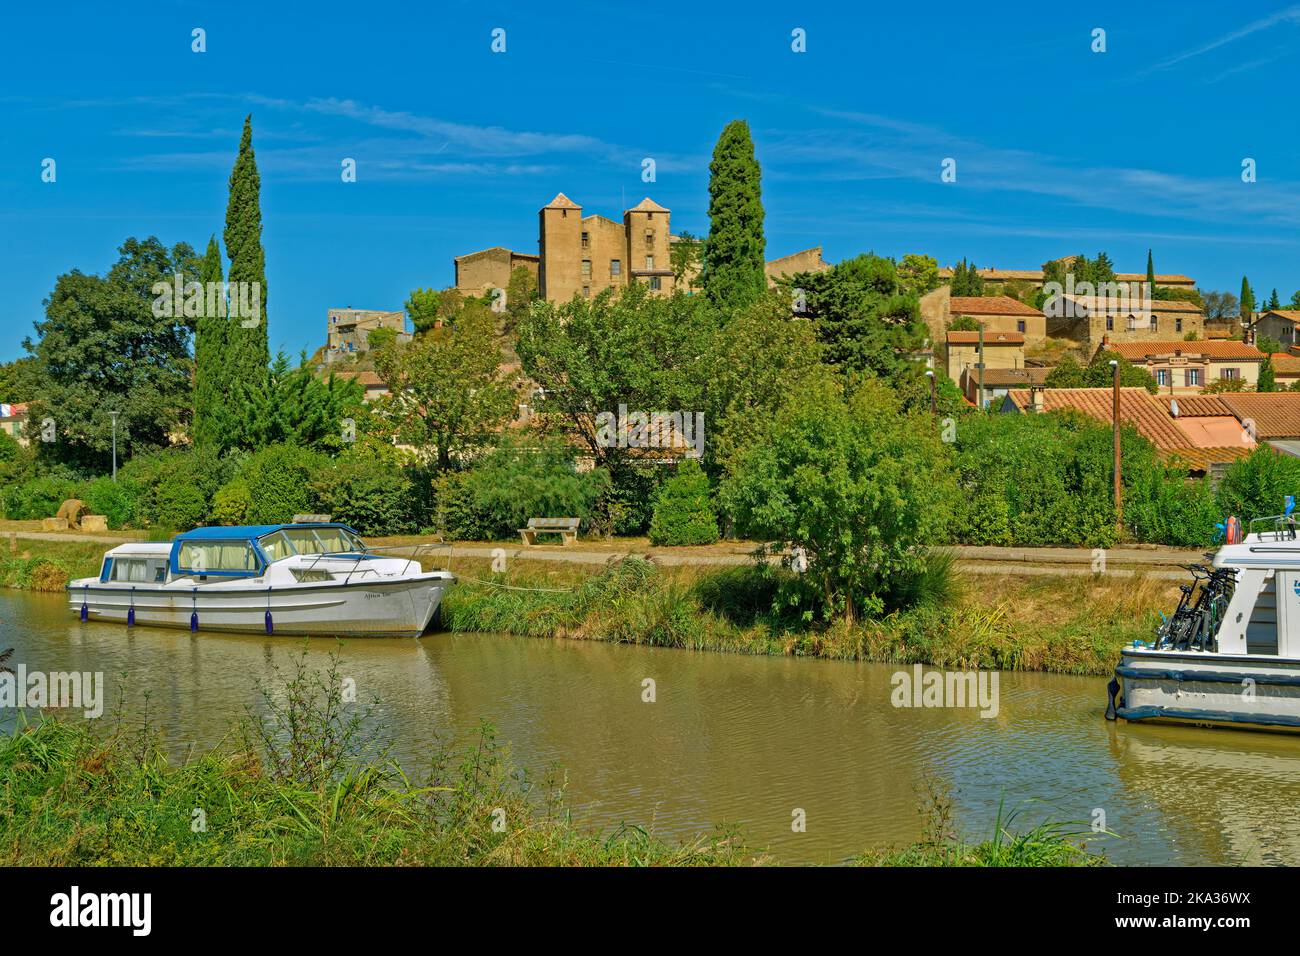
(417, 551)
(1273, 528)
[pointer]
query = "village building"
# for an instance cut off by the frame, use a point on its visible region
(1182, 368)
(13, 417)
(1034, 277)
(1203, 435)
(348, 330)
(997, 382)
(1121, 318)
(584, 255)
(374, 387)
(1279, 324)
(1000, 350)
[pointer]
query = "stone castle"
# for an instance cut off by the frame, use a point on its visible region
(583, 255)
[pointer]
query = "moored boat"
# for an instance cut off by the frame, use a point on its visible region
(290, 579)
(1230, 655)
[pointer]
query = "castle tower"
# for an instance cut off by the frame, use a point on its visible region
(560, 246)
(647, 229)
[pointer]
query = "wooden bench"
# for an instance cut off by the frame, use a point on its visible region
(566, 528)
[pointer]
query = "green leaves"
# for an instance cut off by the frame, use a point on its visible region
(734, 256)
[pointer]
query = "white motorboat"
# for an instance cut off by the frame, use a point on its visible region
(291, 579)
(1237, 663)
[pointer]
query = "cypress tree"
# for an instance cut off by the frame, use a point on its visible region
(734, 264)
(1247, 301)
(1151, 275)
(210, 381)
(247, 352)
(1274, 303)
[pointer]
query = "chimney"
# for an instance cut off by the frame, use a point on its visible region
(1035, 398)
(1105, 340)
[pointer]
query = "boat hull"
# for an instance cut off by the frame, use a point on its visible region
(1242, 691)
(398, 608)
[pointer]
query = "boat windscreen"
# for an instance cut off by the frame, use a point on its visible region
(323, 540)
(275, 546)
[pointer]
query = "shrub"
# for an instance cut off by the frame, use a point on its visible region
(175, 485)
(1256, 486)
(516, 482)
(372, 497)
(278, 479)
(682, 512)
(454, 514)
(232, 502)
(115, 500)
(38, 497)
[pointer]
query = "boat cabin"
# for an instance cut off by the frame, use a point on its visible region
(243, 551)
(1263, 616)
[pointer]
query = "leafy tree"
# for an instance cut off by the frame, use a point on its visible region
(734, 257)
(102, 348)
(627, 348)
(963, 323)
(1098, 374)
(860, 486)
(1219, 306)
(368, 495)
(379, 338)
(448, 394)
(686, 259)
(246, 353)
(19, 380)
(753, 362)
(966, 280)
(864, 318)
(279, 479)
(1268, 345)
(211, 372)
(1247, 301)
(919, 274)
(422, 308)
(521, 293)
(1267, 376)
(683, 514)
(301, 409)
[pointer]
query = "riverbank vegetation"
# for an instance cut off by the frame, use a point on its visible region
(1072, 624)
(306, 781)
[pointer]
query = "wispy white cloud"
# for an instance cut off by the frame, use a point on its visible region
(1289, 15)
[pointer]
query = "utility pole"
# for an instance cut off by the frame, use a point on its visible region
(113, 415)
(934, 402)
(1119, 504)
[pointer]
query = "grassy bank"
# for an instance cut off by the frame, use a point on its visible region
(49, 565)
(1071, 624)
(304, 785)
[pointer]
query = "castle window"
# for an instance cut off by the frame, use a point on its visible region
(586, 292)
(1178, 325)
(586, 267)
(1020, 326)
(1155, 322)
(586, 240)
(615, 267)
(654, 283)
(649, 238)
(1110, 323)
(649, 262)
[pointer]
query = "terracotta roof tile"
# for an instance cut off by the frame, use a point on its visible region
(1291, 315)
(1140, 351)
(1004, 377)
(1196, 406)
(1286, 362)
(1272, 414)
(989, 305)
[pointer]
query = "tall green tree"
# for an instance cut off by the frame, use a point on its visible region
(1274, 302)
(1247, 301)
(734, 255)
(1267, 376)
(1151, 274)
(247, 352)
(110, 344)
(449, 396)
(210, 371)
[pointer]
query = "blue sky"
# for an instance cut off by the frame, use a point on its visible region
(1059, 149)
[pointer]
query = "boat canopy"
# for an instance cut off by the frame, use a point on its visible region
(240, 551)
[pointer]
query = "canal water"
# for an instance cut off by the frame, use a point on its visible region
(732, 739)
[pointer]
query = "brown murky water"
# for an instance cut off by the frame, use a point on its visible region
(735, 739)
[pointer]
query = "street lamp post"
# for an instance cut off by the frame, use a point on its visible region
(113, 415)
(934, 402)
(1114, 366)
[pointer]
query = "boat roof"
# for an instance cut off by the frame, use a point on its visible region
(154, 548)
(251, 530)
